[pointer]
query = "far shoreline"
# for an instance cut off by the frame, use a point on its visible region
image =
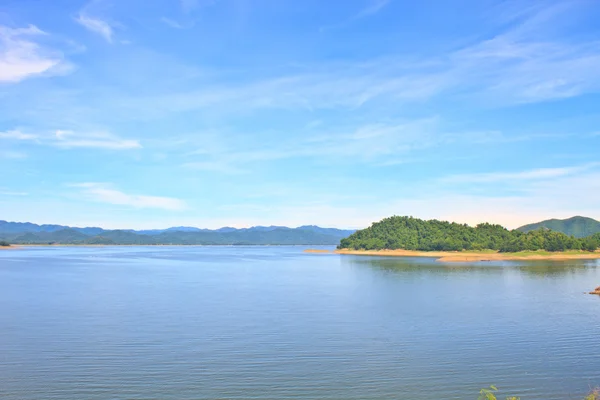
(23, 246)
(473, 256)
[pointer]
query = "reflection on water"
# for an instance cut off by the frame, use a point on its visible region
(274, 323)
(420, 265)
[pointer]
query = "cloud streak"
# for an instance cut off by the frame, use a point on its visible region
(190, 5)
(520, 176)
(17, 135)
(372, 8)
(70, 139)
(105, 193)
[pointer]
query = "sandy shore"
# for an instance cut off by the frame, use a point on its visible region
(450, 256)
(318, 251)
(11, 247)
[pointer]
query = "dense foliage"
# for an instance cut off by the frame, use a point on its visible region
(579, 227)
(409, 233)
(4, 243)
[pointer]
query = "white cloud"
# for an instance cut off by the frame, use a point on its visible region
(17, 135)
(528, 175)
(96, 25)
(70, 139)
(104, 193)
(21, 57)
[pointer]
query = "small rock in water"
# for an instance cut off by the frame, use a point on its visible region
(596, 291)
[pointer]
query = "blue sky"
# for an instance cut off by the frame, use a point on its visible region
(135, 114)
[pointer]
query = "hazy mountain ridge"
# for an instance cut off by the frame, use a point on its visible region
(578, 226)
(29, 233)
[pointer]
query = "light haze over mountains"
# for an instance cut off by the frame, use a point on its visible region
(29, 233)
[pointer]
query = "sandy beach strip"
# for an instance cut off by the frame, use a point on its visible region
(450, 256)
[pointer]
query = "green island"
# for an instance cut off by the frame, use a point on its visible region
(408, 236)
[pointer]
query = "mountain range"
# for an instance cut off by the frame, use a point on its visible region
(576, 226)
(29, 233)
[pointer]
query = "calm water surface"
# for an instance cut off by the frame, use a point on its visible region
(274, 323)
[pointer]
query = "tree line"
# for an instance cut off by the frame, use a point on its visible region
(408, 233)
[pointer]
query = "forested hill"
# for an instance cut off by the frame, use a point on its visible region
(577, 226)
(28, 233)
(416, 234)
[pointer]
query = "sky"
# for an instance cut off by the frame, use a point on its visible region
(210, 113)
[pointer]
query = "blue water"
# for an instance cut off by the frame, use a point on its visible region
(276, 323)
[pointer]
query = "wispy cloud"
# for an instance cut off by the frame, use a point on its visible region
(22, 57)
(72, 139)
(96, 25)
(17, 135)
(190, 5)
(519, 176)
(175, 24)
(381, 144)
(10, 193)
(512, 67)
(105, 193)
(101, 140)
(12, 155)
(372, 8)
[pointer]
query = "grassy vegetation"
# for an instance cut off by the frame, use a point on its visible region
(526, 253)
(490, 394)
(545, 253)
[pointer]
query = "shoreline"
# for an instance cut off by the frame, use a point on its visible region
(451, 256)
(21, 246)
(11, 247)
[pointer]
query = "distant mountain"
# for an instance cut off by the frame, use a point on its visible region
(576, 226)
(175, 228)
(66, 235)
(327, 231)
(27, 227)
(28, 233)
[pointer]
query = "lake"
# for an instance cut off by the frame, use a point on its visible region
(276, 323)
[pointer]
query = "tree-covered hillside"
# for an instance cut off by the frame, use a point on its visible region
(409, 233)
(577, 226)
